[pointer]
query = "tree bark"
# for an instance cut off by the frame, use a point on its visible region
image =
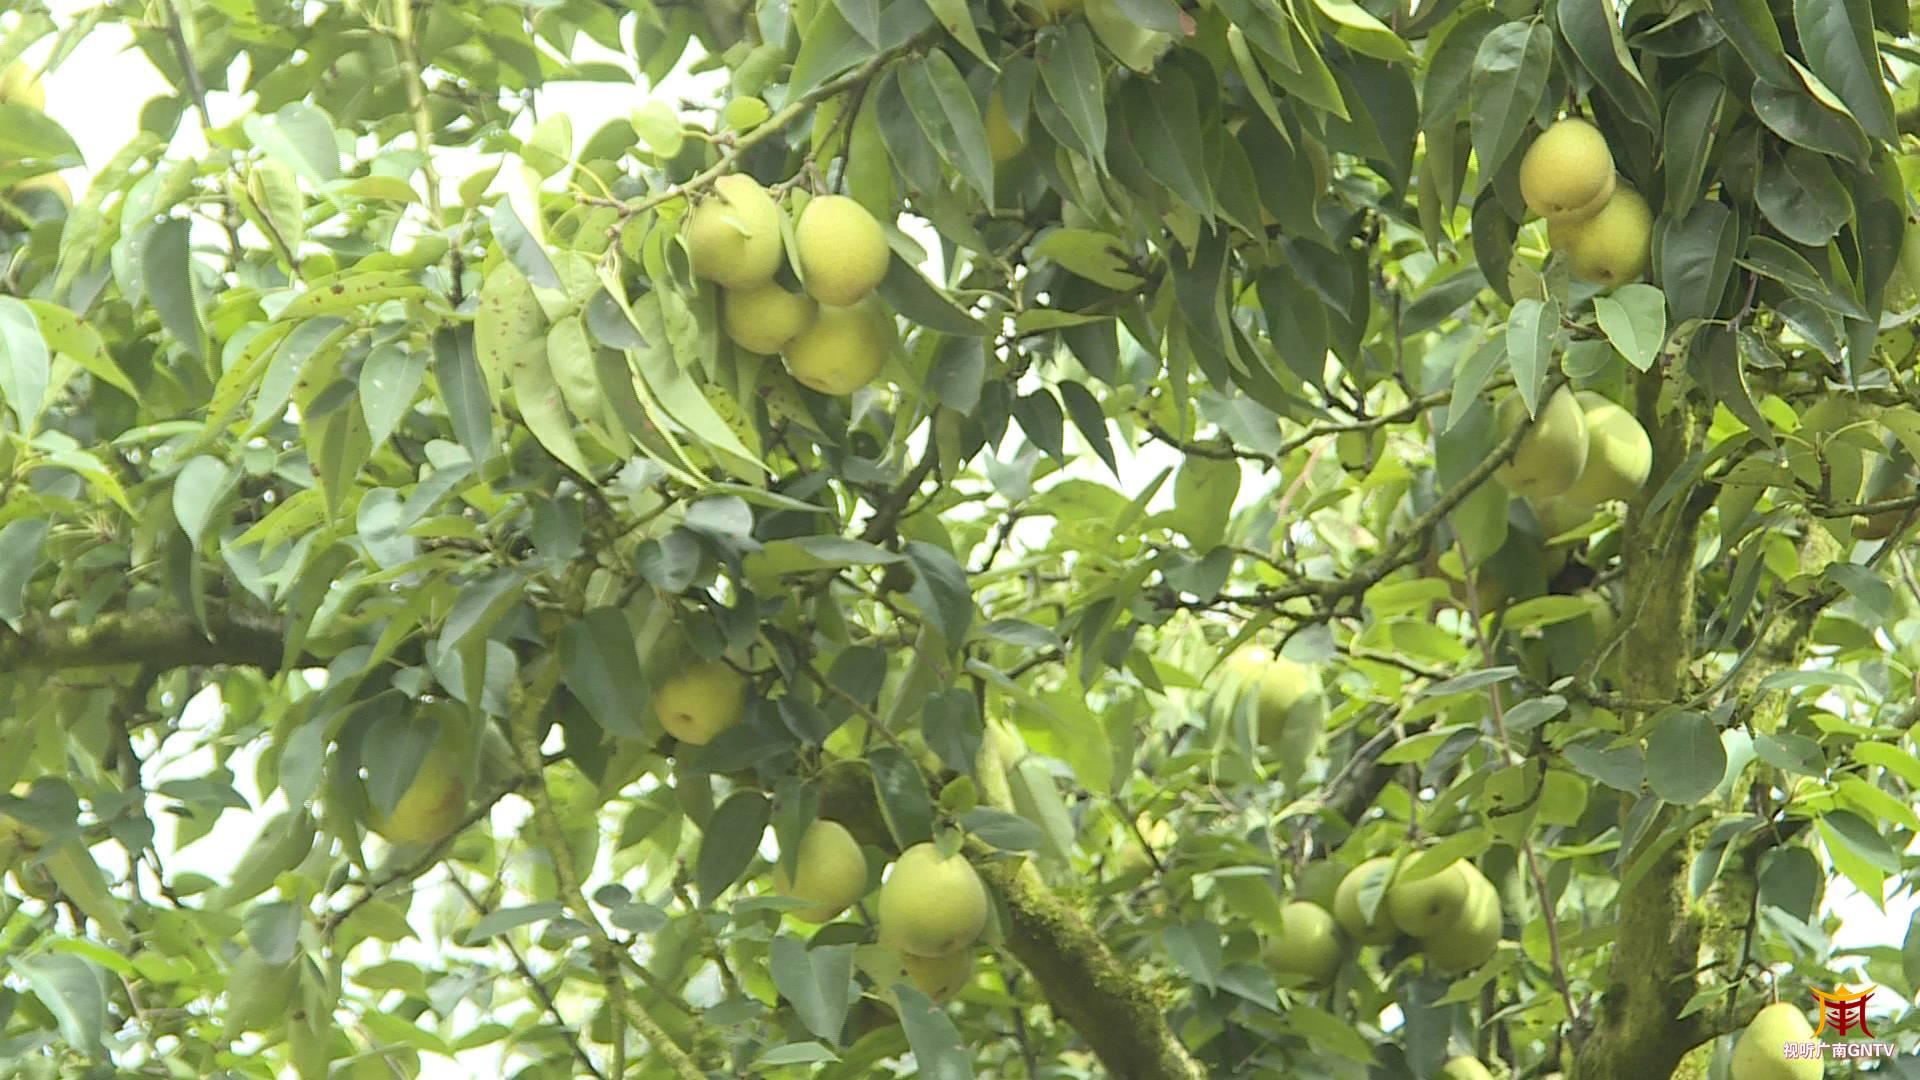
(1652, 972)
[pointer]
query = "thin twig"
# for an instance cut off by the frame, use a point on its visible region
(538, 988)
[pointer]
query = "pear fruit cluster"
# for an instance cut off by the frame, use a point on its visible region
(1454, 914)
(932, 911)
(1761, 1054)
(835, 336)
(1582, 450)
(1596, 220)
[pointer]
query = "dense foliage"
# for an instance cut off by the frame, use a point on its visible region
(394, 476)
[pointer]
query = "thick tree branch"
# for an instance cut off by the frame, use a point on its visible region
(1116, 1013)
(163, 640)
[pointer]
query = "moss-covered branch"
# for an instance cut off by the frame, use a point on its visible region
(162, 640)
(1120, 1017)
(1651, 974)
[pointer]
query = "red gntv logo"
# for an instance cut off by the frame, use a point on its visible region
(1843, 1013)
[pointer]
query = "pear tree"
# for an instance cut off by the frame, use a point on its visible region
(1338, 539)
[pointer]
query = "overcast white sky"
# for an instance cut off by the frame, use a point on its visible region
(103, 122)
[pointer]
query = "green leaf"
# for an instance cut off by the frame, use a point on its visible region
(1696, 259)
(602, 671)
(1749, 25)
(1685, 759)
(957, 19)
(1794, 114)
(940, 100)
(25, 366)
(1532, 330)
(72, 990)
(1071, 85)
(388, 382)
(1359, 30)
(729, 842)
(20, 542)
(904, 800)
(199, 490)
(814, 981)
(542, 409)
(1619, 767)
(938, 1052)
(1634, 318)
(1097, 256)
(1836, 36)
(523, 248)
(1693, 115)
(940, 591)
(1850, 831)
(1801, 197)
(1008, 832)
(301, 136)
(495, 923)
(659, 126)
(67, 336)
(33, 144)
(863, 16)
(1509, 78)
(1714, 359)
(914, 297)
(1592, 29)
(337, 445)
(1770, 258)
(1163, 124)
(169, 275)
(1791, 753)
(464, 390)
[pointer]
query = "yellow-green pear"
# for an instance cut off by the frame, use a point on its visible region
(1472, 938)
(1308, 944)
(701, 701)
(1464, 1068)
(434, 804)
(1619, 454)
(763, 318)
(1552, 453)
(1348, 912)
(1426, 906)
(1560, 514)
(1003, 142)
(1612, 247)
(830, 872)
(931, 905)
(20, 86)
(1567, 172)
(733, 236)
(1760, 1053)
(841, 250)
(940, 977)
(843, 350)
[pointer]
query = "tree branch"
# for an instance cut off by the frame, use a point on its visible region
(526, 712)
(163, 640)
(1117, 1014)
